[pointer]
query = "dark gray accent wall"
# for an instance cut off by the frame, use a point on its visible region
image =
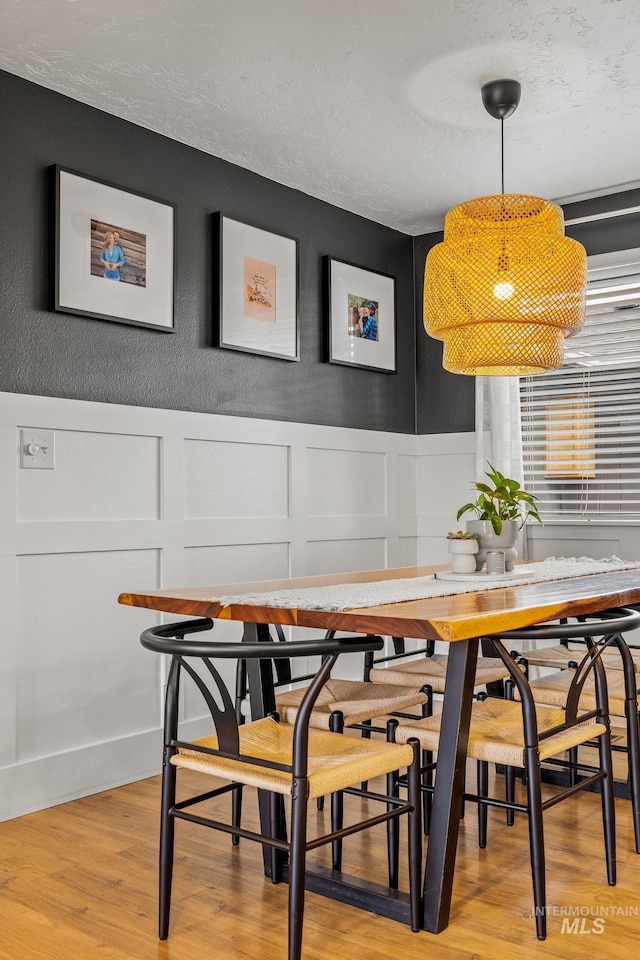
(445, 402)
(60, 355)
(609, 235)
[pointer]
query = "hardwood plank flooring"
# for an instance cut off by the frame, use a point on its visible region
(78, 882)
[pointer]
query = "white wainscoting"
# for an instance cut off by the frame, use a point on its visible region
(143, 498)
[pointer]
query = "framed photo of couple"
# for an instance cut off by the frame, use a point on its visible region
(257, 307)
(360, 316)
(114, 253)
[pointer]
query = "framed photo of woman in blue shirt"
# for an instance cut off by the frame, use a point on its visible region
(114, 252)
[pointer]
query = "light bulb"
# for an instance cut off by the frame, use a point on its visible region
(503, 290)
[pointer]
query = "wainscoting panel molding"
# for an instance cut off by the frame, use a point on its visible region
(143, 498)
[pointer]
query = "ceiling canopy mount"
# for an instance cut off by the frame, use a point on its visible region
(501, 98)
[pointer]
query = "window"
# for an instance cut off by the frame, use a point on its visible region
(581, 424)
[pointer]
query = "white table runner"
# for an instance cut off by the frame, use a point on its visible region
(349, 596)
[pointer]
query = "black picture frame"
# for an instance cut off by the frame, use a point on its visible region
(101, 229)
(359, 316)
(257, 301)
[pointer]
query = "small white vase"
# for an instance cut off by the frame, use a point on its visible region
(463, 555)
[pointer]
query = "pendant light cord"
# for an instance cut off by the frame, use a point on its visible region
(502, 150)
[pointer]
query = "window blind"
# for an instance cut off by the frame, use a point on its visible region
(581, 424)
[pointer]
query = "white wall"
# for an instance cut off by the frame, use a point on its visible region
(144, 498)
(588, 539)
(445, 475)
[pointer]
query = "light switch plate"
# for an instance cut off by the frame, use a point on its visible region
(37, 449)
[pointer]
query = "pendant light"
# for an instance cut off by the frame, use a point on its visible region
(506, 286)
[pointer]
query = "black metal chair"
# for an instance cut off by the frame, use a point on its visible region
(428, 669)
(340, 704)
(295, 761)
(623, 684)
(523, 734)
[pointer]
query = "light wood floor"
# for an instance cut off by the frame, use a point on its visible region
(78, 882)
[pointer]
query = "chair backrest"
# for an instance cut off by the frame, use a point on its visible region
(400, 652)
(283, 673)
(608, 627)
(174, 640)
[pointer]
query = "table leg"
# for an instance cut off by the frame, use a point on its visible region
(449, 788)
(259, 673)
(263, 701)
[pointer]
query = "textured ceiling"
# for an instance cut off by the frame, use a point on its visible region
(372, 105)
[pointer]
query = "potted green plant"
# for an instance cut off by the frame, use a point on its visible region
(502, 507)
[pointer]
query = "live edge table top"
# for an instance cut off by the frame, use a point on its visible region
(451, 618)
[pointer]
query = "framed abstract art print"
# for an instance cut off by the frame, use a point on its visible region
(257, 299)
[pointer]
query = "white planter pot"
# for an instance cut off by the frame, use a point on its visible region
(463, 553)
(489, 540)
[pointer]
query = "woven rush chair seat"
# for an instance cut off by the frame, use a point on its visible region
(553, 690)
(335, 761)
(496, 733)
(356, 700)
(562, 656)
(279, 759)
(432, 671)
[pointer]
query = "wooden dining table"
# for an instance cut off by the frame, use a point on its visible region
(460, 620)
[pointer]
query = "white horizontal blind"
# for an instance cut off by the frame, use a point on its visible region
(581, 424)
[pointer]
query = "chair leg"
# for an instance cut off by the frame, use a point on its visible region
(608, 805)
(427, 796)
(336, 725)
(573, 759)
(509, 694)
(167, 830)
(427, 761)
(536, 839)
(366, 733)
(414, 838)
(236, 813)
(633, 760)
(240, 694)
(337, 812)
(483, 791)
(277, 831)
(510, 792)
(241, 689)
(298, 849)
(393, 827)
(393, 832)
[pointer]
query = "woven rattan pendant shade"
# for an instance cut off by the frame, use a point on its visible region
(505, 287)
